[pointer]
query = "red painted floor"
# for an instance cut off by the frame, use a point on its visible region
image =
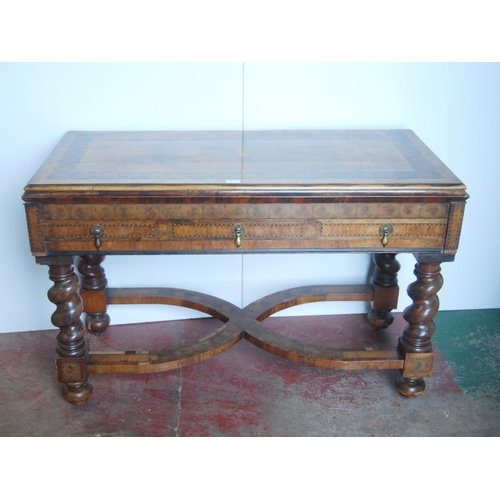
(241, 392)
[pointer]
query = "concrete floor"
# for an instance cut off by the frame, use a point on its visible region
(244, 391)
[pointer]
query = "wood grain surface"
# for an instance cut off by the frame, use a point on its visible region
(232, 158)
(375, 191)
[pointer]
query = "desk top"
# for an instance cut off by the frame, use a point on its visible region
(233, 160)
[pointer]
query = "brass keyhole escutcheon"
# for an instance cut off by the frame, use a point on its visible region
(97, 232)
(385, 231)
(238, 231)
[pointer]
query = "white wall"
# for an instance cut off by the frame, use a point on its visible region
(453, 108)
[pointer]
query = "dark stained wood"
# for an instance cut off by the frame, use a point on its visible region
(93, 292)
(385, 289)
(417, 335)
(72, 348)
(376, 191)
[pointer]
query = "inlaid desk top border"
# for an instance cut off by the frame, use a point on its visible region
(235, 161)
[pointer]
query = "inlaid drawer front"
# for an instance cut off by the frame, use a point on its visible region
(211, 230)
(402, 234)
(159, 236)
(78, 230)
(243, 227)
(87, 236)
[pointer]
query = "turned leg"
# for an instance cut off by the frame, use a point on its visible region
(72, 349)
(415, 344)
(385, 289)
(93, 292)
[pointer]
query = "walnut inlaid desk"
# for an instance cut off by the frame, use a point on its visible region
(109, 193)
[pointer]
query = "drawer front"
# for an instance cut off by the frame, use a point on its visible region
(211, 230)
(158, 228)
(402, 233)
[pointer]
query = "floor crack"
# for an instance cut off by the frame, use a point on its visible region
(179, 405)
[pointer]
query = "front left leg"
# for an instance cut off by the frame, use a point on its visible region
(72, 348)
(415, 345)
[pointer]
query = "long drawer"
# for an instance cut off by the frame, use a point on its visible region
(240, 227)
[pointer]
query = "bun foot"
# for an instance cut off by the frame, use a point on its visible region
(78, 395)
(380, 319)
(408, 387)
(97, 323)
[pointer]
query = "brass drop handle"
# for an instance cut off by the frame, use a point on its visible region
(97, 232)
(238, 230)
(385, 231)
